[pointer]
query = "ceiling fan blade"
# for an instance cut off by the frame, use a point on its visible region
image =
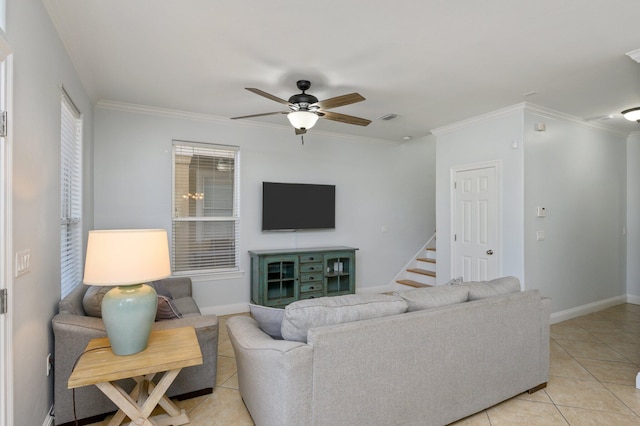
(261, 115)
(300, 131)
(343, 100)
(343, 118)
(267, 95)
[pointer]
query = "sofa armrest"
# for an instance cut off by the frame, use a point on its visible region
(274, 376)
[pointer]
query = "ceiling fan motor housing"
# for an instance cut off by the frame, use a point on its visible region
(303, 99)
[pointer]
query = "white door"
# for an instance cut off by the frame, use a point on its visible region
(476, 252)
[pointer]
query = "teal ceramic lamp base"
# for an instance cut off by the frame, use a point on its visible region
(128, 312)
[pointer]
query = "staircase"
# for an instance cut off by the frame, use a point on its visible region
(421, 271)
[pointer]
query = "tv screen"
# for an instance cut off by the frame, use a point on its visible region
(291, 206)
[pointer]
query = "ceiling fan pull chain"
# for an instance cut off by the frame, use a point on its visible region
(302, 138)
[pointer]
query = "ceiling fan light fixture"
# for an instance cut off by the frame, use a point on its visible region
(632, 114)
(302, 119)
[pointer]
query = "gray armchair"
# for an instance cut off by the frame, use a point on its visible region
(73, 329)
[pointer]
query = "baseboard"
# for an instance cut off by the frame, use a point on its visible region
(237, 308)
(48, 421)
(633, 299)
(589, 308)
(375, 290)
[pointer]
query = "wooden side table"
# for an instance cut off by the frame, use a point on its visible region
(168, 351)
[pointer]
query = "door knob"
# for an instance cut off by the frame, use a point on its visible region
(489, 252)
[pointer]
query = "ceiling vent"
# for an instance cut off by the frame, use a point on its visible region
(389, 117)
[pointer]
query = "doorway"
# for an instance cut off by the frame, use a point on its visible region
(475, 245)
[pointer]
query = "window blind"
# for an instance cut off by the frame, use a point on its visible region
(206, 208)
(70, 196)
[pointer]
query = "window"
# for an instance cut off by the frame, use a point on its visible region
(70, 196)
(206, 214)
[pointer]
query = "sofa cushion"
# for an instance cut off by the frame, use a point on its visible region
(269, 319)
(432, 297)
(302, 315)
(187, 306)
(483, 289)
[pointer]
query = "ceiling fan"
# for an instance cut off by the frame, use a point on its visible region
(305, 109)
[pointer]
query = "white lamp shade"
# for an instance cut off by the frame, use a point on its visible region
(127, 256)
(632, 114)
(302, 119)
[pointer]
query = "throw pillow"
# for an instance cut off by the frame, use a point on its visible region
(496, 287)
(455, 281)
(269, 319)
(92, 300)
(432, 297)
(92, 303)
(167, 310)
(302, 315)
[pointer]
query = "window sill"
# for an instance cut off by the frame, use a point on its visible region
(212, 276)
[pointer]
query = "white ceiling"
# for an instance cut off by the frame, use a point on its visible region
(433, 62)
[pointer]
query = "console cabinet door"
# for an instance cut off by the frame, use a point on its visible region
(339, 273)
(280, 275)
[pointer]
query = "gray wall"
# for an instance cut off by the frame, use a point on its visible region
(578, 172)
(633, 217)
(378, 184)
(485, 138)
(41, 65)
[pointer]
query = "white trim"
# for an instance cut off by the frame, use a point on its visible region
(220, 310)
(589, 308)
(497, 164)
(524, 106)
(633, 299)
(6, 248)
(375, 290)
(48, 421)
(214, 276)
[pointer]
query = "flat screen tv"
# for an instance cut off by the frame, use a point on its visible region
(294, 206)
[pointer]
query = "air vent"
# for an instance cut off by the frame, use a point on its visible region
(388, 117)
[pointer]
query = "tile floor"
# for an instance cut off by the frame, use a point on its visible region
(594, 362)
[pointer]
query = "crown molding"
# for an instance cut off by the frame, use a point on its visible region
(186, 115)
(478, 119)
(522, 107)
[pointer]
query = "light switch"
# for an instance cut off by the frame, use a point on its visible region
(539, 235)
(23, 262)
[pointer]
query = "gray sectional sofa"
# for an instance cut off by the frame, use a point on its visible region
(456, 350)
(73, 329)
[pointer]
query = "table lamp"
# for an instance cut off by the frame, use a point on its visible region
(127, 259)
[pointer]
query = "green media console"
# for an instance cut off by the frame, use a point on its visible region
(279, 277)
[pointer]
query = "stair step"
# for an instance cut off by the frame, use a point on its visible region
(422, 272)
(431, 249)
(426, 259)
(412, 283)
